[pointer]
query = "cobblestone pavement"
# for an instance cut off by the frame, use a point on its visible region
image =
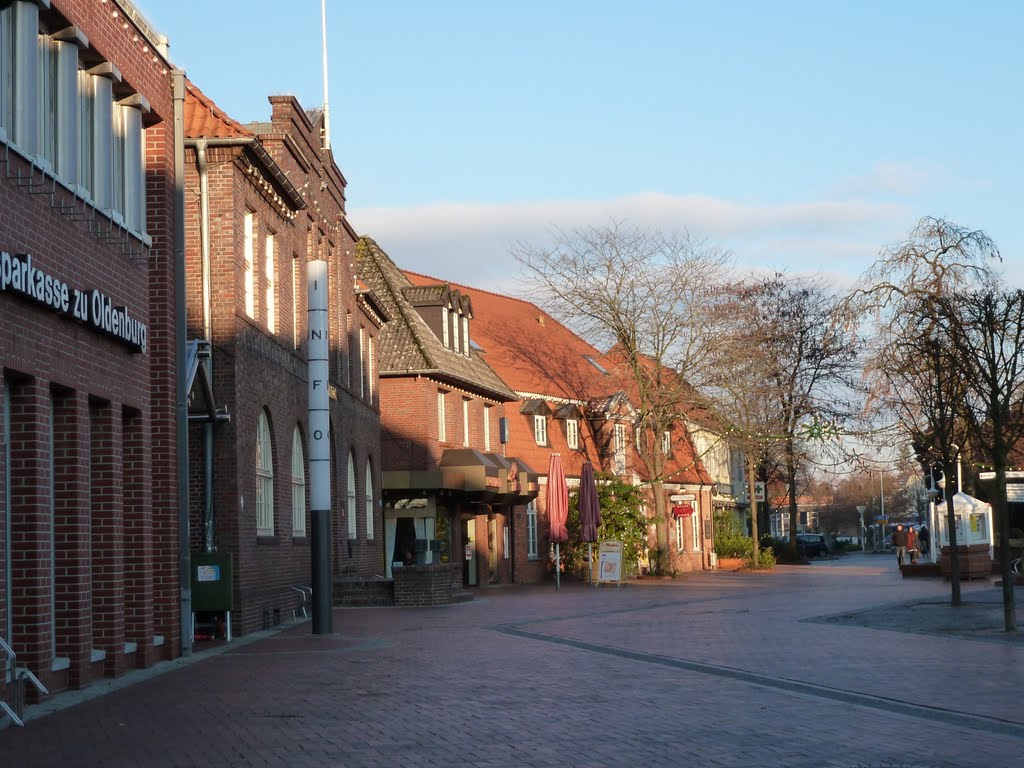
(840, 664)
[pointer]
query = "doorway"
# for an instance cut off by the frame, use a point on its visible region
(469, 570)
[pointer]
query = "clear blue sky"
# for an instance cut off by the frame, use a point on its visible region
(802, 134)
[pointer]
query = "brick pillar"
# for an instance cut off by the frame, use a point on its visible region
(5, 439)
(72, 551)
(107, 535)
(138, 538)
(31, 526)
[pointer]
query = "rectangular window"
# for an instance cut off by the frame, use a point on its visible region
(695, 529)
(6, 70)
(362, 362)
(455, 332)
(679, 533)
(444, 326)
(86, 132)
(369, 367)
(297, 282)
(46, 101)
(441, 429)
(270, 275)
(24, 64)
(465, 336)
(487, 427)
(248, 230)
(350, 344)
(572, 433)
(666, 443)
(132, 200)
(103, 136)
(465, 422)
(531, 530)
(540, 430)
(117, 152)
(620, 449)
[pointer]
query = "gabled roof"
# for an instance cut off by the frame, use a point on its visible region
(407, 345)
(529, 349)
(204, 119)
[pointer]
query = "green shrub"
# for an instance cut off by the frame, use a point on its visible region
(765, 560)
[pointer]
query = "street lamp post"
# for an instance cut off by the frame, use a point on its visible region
(861, 508)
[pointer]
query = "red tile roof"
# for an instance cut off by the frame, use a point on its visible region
(204, 119)
(529, 349)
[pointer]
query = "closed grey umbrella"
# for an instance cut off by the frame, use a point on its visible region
(590, 514)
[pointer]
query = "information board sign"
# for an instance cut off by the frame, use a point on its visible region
(610, 561)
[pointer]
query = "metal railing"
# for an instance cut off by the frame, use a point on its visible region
(16, 679)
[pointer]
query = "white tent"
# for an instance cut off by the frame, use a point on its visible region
(973, 524)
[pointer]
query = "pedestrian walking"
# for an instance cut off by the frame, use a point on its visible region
(899, 540)
(912, 544)
(923, 538)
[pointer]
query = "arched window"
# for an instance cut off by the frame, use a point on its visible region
(369, 500)
(350, 501)
(264, 478)
(298, 485)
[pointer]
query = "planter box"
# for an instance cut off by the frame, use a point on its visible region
(974, 561)
(730, 563)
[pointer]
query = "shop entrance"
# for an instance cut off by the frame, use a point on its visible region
(469, 572)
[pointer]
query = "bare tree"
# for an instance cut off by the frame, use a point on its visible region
(641, 295)
(987, 330)
(807, 357)
(913, 370)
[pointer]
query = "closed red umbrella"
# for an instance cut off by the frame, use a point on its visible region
(590, 513)
(558, 510)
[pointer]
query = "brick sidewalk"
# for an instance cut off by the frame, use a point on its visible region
(716, 669)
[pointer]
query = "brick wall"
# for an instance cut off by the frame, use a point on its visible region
(71, 588)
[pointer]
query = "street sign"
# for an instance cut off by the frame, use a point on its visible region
(881, 520)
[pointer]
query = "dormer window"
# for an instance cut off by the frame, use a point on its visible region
(444, 326)
(540, 429)
(465, 336)
(572, 433)
(455, 331)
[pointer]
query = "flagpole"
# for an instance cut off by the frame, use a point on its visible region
(327, 117)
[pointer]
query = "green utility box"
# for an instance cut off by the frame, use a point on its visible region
(212, 577)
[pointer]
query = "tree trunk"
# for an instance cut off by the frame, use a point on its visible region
(661, 524)
(1002, 516)
(791, 488)
(954, 556)
(752, 482)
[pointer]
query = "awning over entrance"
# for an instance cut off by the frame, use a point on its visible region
(483, 477)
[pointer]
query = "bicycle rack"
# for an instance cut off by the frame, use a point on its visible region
(16, 709)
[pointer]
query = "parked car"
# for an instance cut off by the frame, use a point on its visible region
(811, 544)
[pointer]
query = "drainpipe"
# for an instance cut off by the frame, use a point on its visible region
(181, 331)
(204, 238)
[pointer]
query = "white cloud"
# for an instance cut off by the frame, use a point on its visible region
(470, 242)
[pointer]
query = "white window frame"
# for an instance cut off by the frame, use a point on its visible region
(270, 275)
(531, 530)
(487, 427)
(444, 326)
(620, 449)
(297, 283)
(369, 368)
(350, 497)
(298, 485)
(465, 336)
(249, 235)
(362, 362)
(264, 477)
(572, 433)
(368, 493)
(695, 528)
(666, 443)
(540, 429)
(680, 543)
(442, 429)
(465, 422)
(455, 331)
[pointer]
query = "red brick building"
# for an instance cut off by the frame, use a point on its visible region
(448, 475)
(573, 401)
(262, 200)
(89, 572)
